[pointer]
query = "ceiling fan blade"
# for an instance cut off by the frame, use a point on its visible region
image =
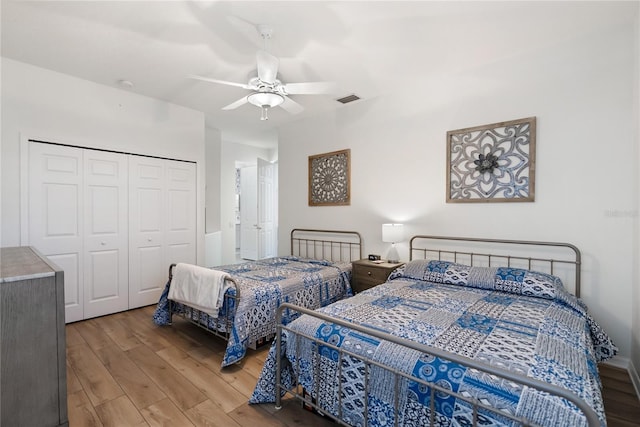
(247, 29)
(267, 66)
(291, 106)
(310, 88)
(236, 104)
(223, 82)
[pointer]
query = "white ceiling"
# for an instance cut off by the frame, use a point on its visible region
(368, 48)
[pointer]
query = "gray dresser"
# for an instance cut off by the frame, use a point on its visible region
(33, 381)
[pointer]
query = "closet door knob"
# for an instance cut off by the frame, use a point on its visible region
(149, 239)
(103, 243)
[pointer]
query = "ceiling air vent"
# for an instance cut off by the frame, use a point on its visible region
(347, 99)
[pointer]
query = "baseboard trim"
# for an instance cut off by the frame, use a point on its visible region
(635, 379)
(618, 362)
(625, 363)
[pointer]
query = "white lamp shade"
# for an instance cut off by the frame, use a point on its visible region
(392, 233)
(265, 99)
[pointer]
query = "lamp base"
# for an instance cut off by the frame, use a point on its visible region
(392, 255)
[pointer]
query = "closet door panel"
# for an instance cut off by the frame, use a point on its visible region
(152, 269)
(72, 265)
(106, 278)
(181, 212)
(99, 271)
(147, 202)
(55, 215)
(180, 253)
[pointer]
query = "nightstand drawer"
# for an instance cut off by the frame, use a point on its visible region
(366, 274)
(361, 283)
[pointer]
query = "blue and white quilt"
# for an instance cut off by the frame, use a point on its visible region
(264, 285)
(515, 319)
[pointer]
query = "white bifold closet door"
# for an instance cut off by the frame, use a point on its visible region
(114, 222)
(162, 221)
(77, 216)
(106, 233)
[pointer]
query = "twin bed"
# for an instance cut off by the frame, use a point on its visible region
(317, 273)
(469, 332)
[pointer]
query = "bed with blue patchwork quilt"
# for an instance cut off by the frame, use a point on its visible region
(503, 318)
(263, 285)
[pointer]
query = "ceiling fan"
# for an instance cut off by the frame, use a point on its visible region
(266, 90)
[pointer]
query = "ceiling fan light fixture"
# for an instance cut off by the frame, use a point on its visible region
(265, 99)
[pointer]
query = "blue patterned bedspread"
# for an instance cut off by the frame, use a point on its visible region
(264, 285)
(515, 319)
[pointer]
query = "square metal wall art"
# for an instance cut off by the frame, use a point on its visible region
(329, 179)
(492, 163)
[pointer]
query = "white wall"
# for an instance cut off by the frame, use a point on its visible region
(635, 350)
(231, 153)
(37, 103)
(580, 90)
(213, 150)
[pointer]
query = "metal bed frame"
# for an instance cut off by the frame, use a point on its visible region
(424, 245)
(222, 325)
(332, 245)
(305, 245)
(565, 254)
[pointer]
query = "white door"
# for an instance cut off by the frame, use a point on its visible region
(248, 213)
(267, 196)
(147, 268)
(55, 215)
(162, 223)
(113, 222)
(180, 212)
(106, 276)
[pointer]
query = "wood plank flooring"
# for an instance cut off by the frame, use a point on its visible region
(122, 370)
(620, 400)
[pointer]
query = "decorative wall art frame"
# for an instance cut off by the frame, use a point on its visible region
(330, 179)
(492, 163)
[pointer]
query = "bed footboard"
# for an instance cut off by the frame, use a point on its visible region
(397, 376)
(220, 326)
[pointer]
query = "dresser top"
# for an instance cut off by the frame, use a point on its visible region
(23, 262)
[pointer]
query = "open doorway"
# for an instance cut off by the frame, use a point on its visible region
(257, 210)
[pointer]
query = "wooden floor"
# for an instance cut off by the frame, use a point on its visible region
(122, 370)
(621, 403)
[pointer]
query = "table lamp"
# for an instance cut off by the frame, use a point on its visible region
(392, 233)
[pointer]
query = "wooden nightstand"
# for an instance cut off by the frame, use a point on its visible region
(366, 274)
